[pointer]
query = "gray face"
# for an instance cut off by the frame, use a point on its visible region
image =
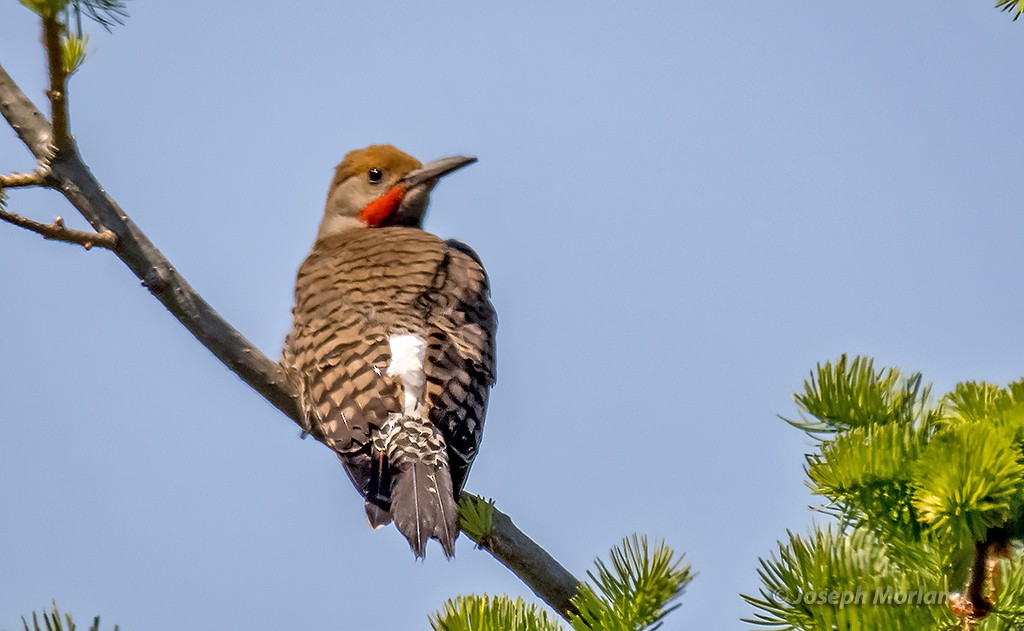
(349, 197)
(352, 195)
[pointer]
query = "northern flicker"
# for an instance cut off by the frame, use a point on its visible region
(392, 348)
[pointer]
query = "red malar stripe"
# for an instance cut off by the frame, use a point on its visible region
(381, 208)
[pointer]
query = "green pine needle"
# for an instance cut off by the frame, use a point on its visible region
(635, 592)
(838, 580)
(977, 401)
(482, 613)
(107, 13)
(916, 485)
(73, 50)
(850, 393)
(865, 457)
(968, 480)
(476, 516)
(1014, 6)
(972, 401)
(867, 474)
(53, 621)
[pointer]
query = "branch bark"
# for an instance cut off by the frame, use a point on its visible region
(27, 122)
(548, 579)
(65, 171)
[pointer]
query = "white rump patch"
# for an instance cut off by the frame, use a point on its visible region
(407, 353)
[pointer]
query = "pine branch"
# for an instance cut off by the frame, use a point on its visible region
(968, 480)
(53, 621)
(635, 592)
(928, 495)
(850, 393)
(846, 580)
(482, 613)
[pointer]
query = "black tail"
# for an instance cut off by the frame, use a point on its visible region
(423, 505)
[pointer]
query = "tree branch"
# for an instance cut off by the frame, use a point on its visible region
(66, 172)
(548, 579)
(57, 231)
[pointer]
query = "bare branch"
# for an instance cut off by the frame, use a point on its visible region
(57, 231)
(22, 180)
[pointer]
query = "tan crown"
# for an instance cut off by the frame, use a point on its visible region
(387, 158)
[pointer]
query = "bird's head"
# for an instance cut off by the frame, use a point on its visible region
(382, 186)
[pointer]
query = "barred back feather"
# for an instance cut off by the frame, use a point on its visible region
(356, 292)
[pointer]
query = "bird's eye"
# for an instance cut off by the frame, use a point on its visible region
(375, 175)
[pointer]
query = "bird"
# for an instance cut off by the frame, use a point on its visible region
(392, 349)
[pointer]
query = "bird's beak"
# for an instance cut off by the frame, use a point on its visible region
(431, 172)
(414, 191)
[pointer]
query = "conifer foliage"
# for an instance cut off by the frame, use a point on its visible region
(633, 592)
(53, 620)
(929, 502)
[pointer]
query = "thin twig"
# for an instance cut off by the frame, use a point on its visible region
(58, 83)
(57, 231)
(22, 180)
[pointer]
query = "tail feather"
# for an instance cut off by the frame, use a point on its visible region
(378, 505)
(423, 506)
(377, 515)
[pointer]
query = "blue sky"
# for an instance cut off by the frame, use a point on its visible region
(683, 207)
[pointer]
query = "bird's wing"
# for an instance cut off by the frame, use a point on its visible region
(460, 366)
(339, 349)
